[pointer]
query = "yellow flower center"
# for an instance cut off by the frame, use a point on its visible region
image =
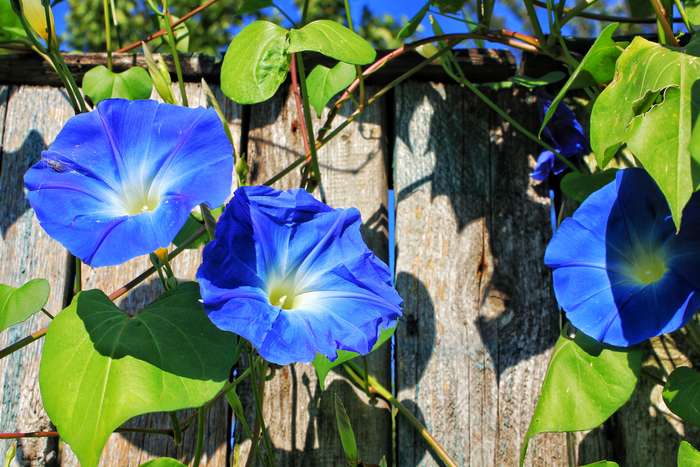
(649, 267)
(282, 293)
(138, 203)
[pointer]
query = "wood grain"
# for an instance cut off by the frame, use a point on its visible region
(299, 416)
(479, 318)
(134, 449)
(32, 117)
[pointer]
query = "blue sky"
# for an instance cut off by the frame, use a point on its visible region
(399, 9)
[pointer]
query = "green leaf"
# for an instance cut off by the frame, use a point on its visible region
(652, 106)
(602, 464)
(410, 28)
(10, 25)
(323, 365)
(532, 83)
(158, 71)
(163, 462)
(585, 384)
(332, 40)
(597, 67)
(682, 394)
(688, 456)
(18, 304)
(256, 63)
(100, 83)
(347, 435)
(193, 223)
(246, 7)
(324, 83)
(181, 33)
(692, 9)
(578, 186)
(449, 6)
(10, 454)
(99, 367)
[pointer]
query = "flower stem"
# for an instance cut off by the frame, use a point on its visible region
(315, 178)
(356, 374)
(172, 43)
(177, 432)
(199, 443)
(108, 35)
(664, 22)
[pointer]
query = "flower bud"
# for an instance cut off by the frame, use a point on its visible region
(33, 11)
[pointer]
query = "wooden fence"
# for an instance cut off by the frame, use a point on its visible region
(471, 228)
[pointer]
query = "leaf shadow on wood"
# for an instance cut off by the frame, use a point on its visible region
(13, 165)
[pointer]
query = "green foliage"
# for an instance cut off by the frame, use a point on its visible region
(578, 186)
(324, 83)
(692, 9)
(256, 63)
(323, 365)
(449, 6)
(160, 75)
(11, 29)
(181, 33)
(412, 26)
(347, 435)
(597, 67)
(585, 384)
(100, 367)
(10, 454)
(688, 456)
(602, 464)
(99, 83)
(651, 107)
(194, 222)
(682, 394)
(163, 462)
(18, 304)
(333, 40)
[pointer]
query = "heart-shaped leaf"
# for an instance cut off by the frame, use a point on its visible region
(578, 186)
(688, 456)
(332, 40)
(681, 394)
(100, 83)
(163, 462)
(585, 384)
(324, 83)
(256, 63)
(651, 106)
(100, 367)
(18, 304)
(323, 365)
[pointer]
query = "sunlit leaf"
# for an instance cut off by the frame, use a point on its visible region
(332, 40)
(324, 83)
(181, 33)
(602, 464)
(99, 367)
(652, 106)
(163, 462)
(323, 365)
(585, 384)
(682, 394)
(99, 83)
(578, 186)
(688, 456)
(598, 66)
(256, 63)
(18, 304)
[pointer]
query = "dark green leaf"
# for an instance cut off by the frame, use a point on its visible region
(347, 435)
(100, 83)
(585, 384)
(682, 394)
(532, 83)
(651, 106)
(598, 66)
(323, 365)
(256, 63)
(578, 186)
(688, 456)
(246, 7)
(410, 28)
(99, 367)
(18, 304)
(163, 462)
(449, 6)
(332, 40)
(324, 83)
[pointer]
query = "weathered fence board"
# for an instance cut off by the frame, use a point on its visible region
(354, 173)
(479, 318)
(32, 117)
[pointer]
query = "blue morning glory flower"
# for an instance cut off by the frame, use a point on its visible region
(294, 277)
(120, 181)
(564, 133)
(621, 273)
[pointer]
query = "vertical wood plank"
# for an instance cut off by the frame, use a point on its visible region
(134, 449)
(32, 118)
(479, 317)
(299, 416)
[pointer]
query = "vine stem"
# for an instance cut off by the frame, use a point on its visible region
(113, 296)
(199, 444)
(164, 31)
(663, 20)
(298, 104)
(370, 384)
(607, 18)
(315, 171)
(108, 35)
(172, 42)
(54, 434)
